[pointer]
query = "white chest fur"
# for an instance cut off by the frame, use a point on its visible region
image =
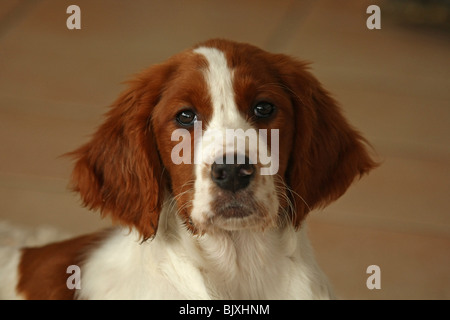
(275, 264)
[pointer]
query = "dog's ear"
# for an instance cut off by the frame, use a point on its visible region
(119, 171)
(327, 152)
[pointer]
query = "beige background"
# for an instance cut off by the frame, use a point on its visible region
(393, 84)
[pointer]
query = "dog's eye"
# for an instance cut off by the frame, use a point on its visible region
(186, 118)
(263, 109)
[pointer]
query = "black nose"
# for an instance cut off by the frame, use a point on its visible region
(234, 176)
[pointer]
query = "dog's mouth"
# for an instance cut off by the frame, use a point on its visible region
(234, 209)
(209, 208)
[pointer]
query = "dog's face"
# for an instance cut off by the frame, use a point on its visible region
(235, 136)
(209, 97)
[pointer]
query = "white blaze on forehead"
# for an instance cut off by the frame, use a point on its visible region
(225, 113)
(219, 78)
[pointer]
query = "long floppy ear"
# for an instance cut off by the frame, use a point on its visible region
(119, 170)
(327, 152)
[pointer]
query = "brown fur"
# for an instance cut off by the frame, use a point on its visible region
(42, 270)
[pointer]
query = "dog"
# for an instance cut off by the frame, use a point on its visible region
(202, 217)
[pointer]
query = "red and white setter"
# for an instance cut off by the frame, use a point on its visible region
(195, 221)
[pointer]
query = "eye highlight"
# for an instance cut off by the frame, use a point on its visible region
(263, 109)
(186, 118)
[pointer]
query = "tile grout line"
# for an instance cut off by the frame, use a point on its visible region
(382, 224)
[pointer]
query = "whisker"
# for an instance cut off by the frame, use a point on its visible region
(173, 201)
(292, 192)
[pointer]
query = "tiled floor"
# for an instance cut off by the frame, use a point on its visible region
(393, 84)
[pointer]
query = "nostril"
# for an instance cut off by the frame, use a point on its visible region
(246, 170)
(219, 172)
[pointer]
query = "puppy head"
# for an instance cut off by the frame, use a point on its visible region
(167, 136)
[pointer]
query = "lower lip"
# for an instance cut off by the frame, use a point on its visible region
(234, 212)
